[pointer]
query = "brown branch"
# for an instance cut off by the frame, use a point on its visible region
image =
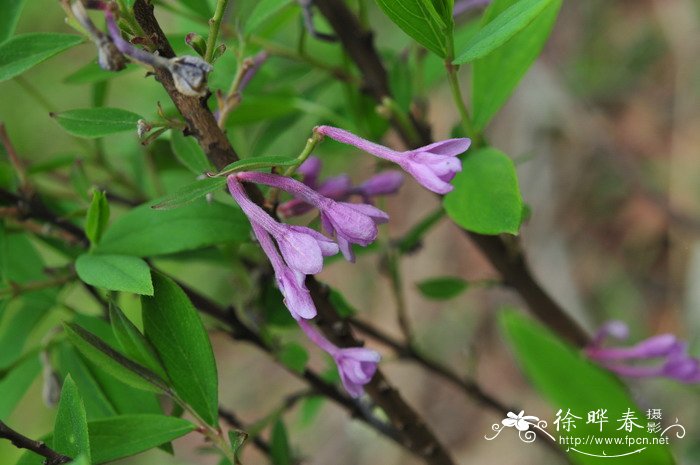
(200, 121)
(505, 254)
(468, 386)
(22, 442)
(414, 433)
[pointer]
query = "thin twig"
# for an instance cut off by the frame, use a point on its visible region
(22, 442)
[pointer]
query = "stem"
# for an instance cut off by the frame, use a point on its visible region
(393, 259)
(402, 120)
(213, 434)
(14, 159)
(22, 442)
(214, 25)
(467, 124)
(16, 289)
(311, 143)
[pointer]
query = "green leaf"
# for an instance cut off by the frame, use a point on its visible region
(190, 193)
(486, 198)
(280, 452)
(420, 20)
(143, 230)
(294, 357)
(442, 288)
(97, 216)
(188, 151)
(237, 439)
(115, 273)
(16, 383)
(262, 11)
(80, 460)
(70, 434)
(24, 51)
(258, 163)
(111, 361)
(121, 436)
(497, 32)
(133, 343)
(96, 122)
(569, 380)
(496, 76)
(11, 10)
(91, 73)
(97, 404)
(173, 326)
(200, 7)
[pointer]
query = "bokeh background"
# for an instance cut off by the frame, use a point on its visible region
(605, 133)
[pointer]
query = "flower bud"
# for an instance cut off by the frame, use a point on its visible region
(190, 75)
(197, 43)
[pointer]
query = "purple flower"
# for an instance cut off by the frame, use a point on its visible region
(356, 365)
(384, 183)
(351, 223)
(290, 282)
(673, 360)
(433, 166)
(303, 248)
(340, 187)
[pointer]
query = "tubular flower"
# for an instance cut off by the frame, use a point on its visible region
(433, 166)
(303, 248)
(351, 223)
(340, 187)
(356, 365)
(671, 354)
(290, 282)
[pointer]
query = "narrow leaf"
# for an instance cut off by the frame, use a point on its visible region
(11, 10)
(115, 272)
(141, 232)
(262, 11)
(418, 19)
(24, 51)
(188, 151)
(15, 385)
(280, 452)
(173, 326)
(190, 193)
(486, 198)
(133, 343)
(113, 362)
(97, 216)
(258, 163)
(442, 288)
(564, 376)
(96, 122)
(70, 434)
(502, 28)
(121, 436)
(496, 75)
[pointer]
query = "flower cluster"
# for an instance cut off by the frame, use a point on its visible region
(298, 251)
(671, 355)
(340, 187)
